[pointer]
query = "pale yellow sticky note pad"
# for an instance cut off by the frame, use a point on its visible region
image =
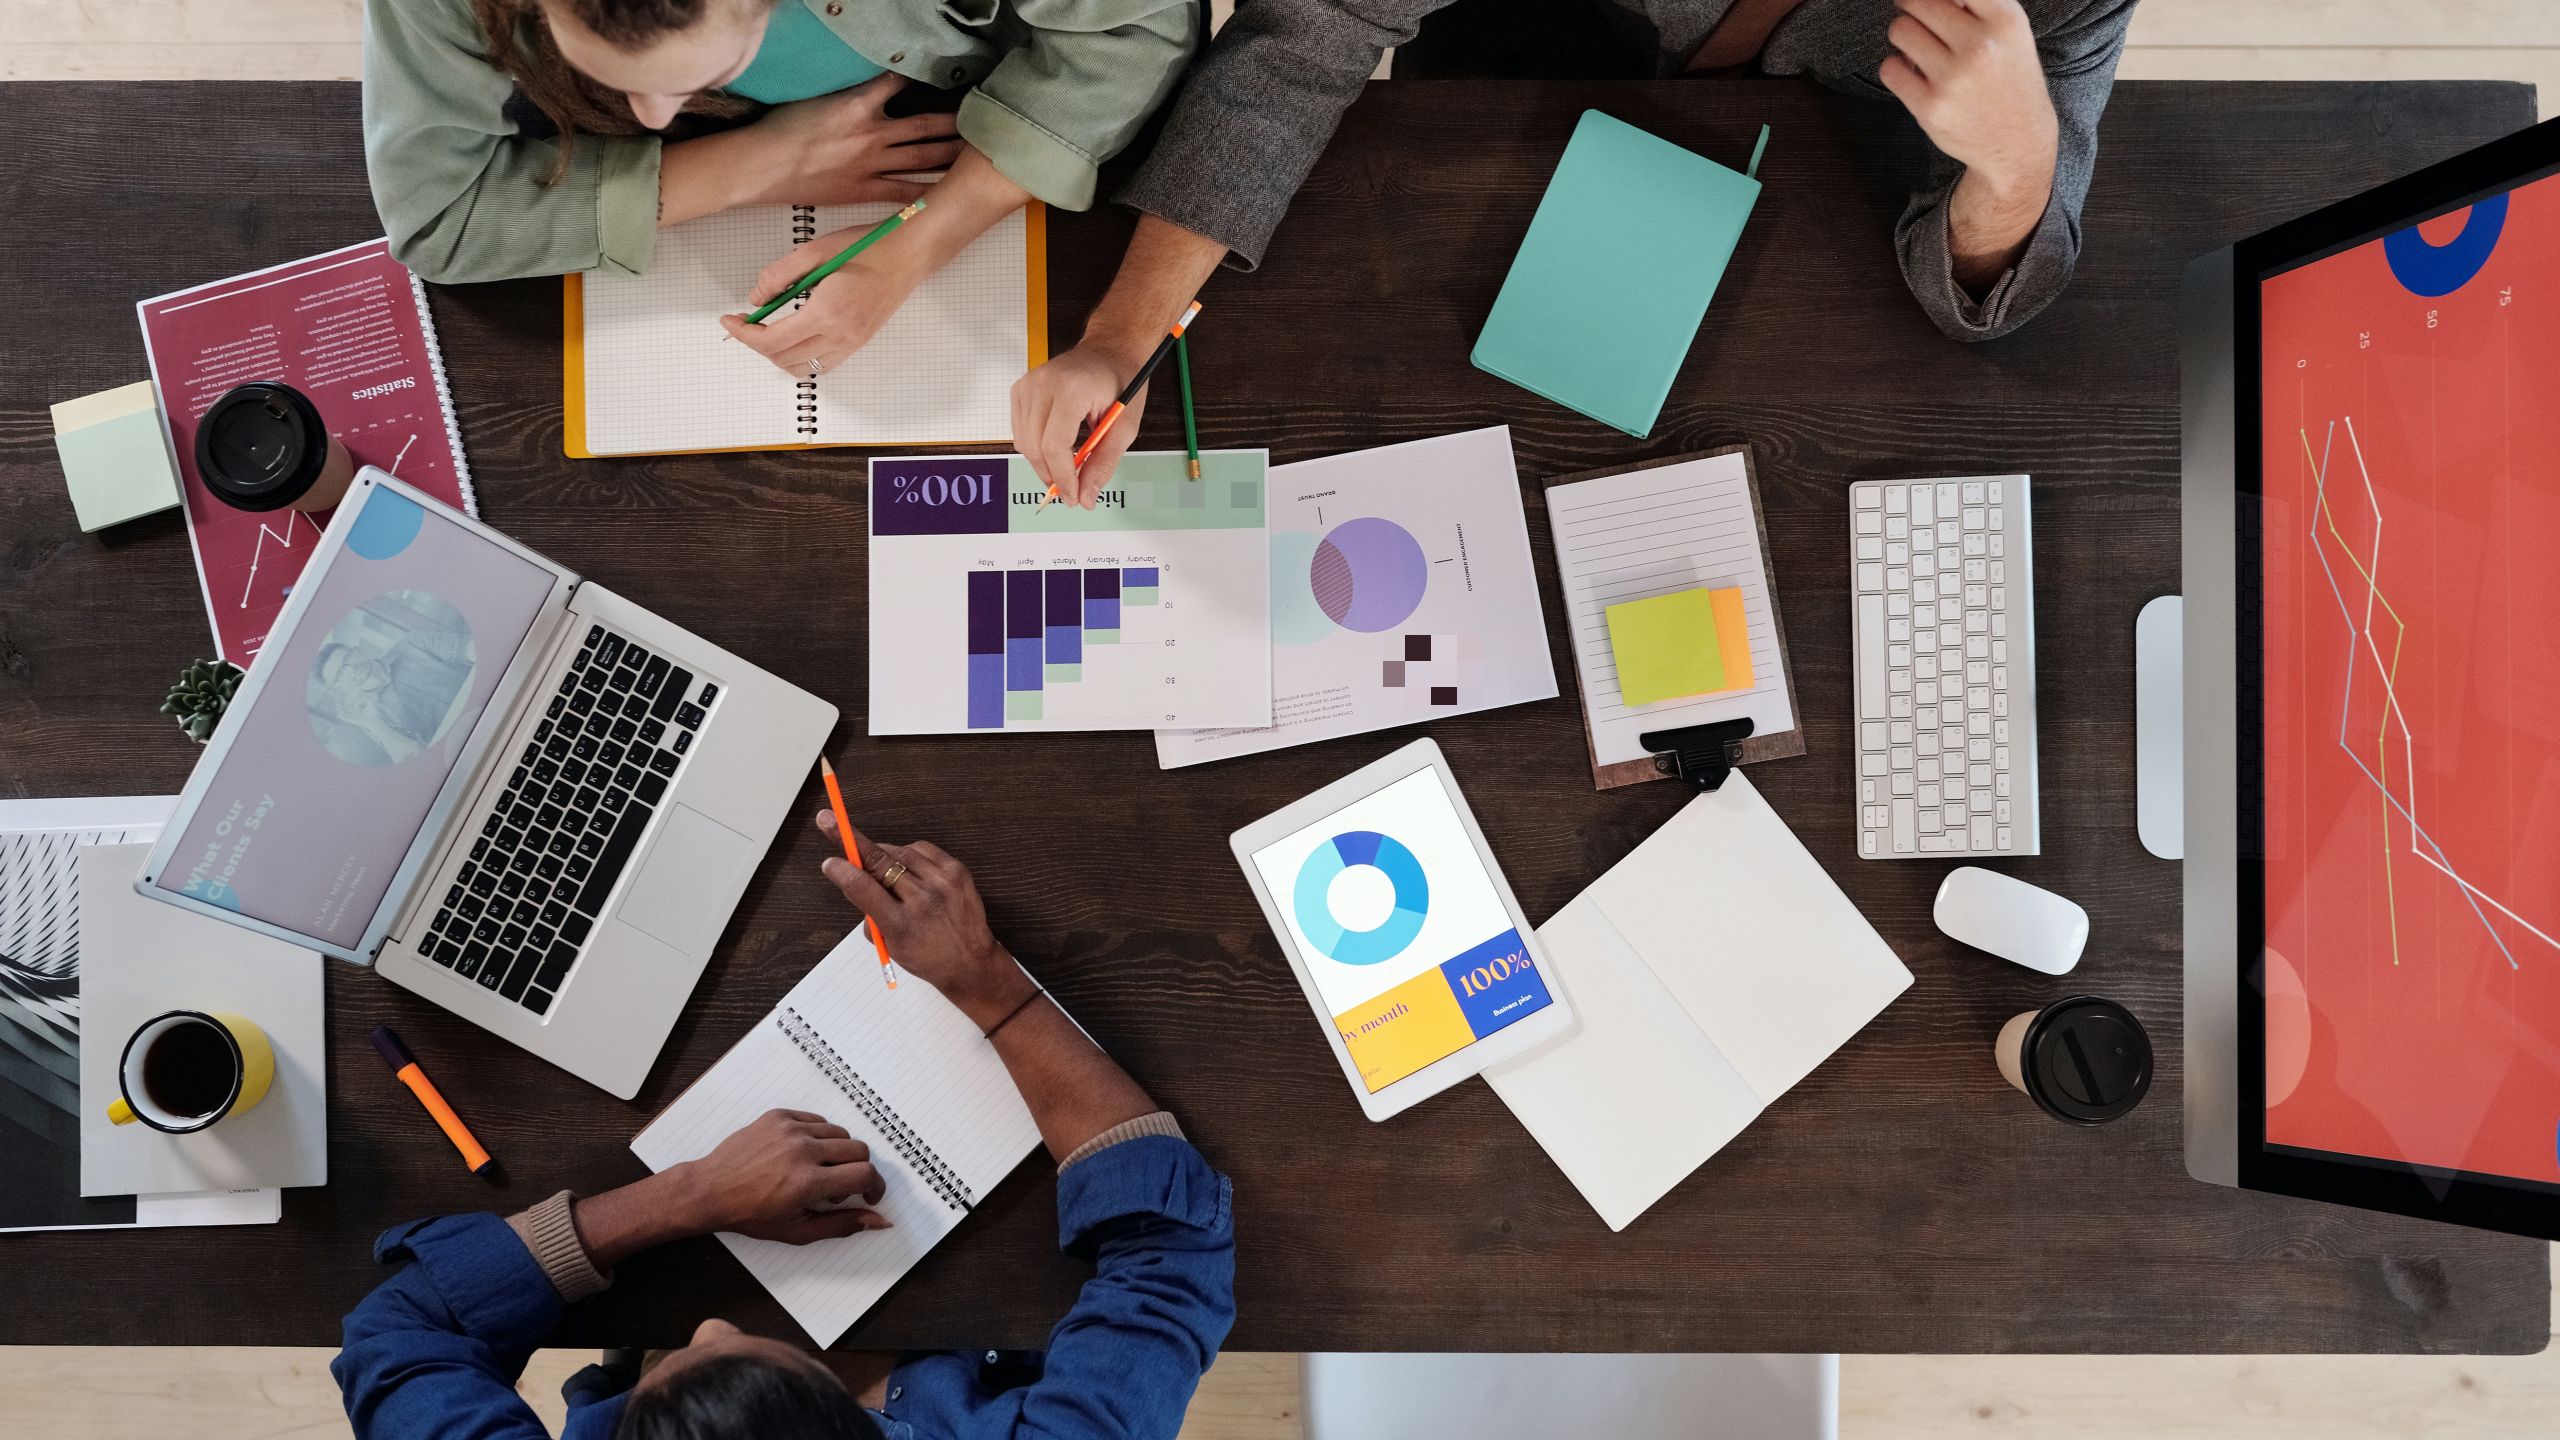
(1666, 647)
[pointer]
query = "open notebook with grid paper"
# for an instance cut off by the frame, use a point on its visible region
(649, 371)
(909, 1076)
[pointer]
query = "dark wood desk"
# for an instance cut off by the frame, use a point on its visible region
(1902, 1199)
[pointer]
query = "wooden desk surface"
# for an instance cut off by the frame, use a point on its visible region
(1901, 1199)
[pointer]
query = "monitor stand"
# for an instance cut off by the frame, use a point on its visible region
(2159, 728)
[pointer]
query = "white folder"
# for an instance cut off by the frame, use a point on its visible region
(1711, 969)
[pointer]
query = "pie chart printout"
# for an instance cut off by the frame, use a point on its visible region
(1368, 574)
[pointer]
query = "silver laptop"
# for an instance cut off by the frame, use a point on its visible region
(509, 790)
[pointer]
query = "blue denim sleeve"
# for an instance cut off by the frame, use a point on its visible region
(1156, 1221)
(436, 1349)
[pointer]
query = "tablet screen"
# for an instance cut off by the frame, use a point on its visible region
(1409, 942)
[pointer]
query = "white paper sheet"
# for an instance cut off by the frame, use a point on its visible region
(1402, 591)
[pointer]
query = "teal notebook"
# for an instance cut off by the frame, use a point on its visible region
(1615, 274)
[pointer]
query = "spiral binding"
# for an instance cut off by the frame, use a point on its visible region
(804, 228)
(910, 1146)
(444, 395)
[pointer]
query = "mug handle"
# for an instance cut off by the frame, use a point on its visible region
(120, 1113)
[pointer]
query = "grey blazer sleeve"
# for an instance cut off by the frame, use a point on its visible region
(1259, 107)
(2079, 68)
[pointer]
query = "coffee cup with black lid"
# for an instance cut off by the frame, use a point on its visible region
(2084, 1061)
(263, 446)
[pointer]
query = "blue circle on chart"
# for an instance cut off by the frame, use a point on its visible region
(1314, 897)
(2424, 269)
(386, 525)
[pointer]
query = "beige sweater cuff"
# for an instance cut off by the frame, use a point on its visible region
(1159, 1123)
(550, 1231)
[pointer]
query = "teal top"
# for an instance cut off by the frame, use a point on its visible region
(801, 59)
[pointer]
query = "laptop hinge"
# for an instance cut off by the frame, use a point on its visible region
(501, 753)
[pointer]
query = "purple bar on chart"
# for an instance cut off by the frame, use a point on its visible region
(1022, 630)
(986, 650)
(1140, 576)
(1066, 617)
(1102, 599)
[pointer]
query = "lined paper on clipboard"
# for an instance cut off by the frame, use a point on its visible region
(1666, 526)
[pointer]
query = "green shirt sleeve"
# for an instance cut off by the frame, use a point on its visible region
(1073, 92)
(460, 191)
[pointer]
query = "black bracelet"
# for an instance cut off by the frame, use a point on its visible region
(1036, 993)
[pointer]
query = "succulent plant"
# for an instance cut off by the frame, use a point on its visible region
(203, 692)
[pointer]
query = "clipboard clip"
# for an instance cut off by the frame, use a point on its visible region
(1702, 755)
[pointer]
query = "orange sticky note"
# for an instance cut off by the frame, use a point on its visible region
(1733, 638)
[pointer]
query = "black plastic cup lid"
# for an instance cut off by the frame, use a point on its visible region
(2086, 1060)
(261, 446)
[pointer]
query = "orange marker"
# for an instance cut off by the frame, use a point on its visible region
(405, 1065)
(853, 853)
(1129, 392)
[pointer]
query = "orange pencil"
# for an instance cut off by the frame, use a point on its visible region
(853, 853)
(1130, 391)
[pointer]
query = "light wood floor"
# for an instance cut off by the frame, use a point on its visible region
(99, 1394)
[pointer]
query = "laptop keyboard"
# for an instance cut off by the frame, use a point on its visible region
(614, 737)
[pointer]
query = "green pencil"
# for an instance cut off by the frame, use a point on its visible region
(810, 280)
(1190, 421)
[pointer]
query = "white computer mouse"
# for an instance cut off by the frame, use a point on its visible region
(2012, 919)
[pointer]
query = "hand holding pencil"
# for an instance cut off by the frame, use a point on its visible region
(1090, 392)
(932, 918)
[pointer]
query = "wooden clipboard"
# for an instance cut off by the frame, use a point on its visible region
(1779, 746)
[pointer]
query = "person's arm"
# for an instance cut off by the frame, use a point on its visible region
(460, 191)
(1053, 405)
(465, 197)
(936, 926)
(1253, 116)
(436, 1349)
(1992, 236)
(1134, 1198)
(847, 308)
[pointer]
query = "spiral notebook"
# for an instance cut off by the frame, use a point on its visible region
(909, 1076)
(647, 369)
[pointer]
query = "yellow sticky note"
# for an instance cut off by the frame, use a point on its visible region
(1666, 647)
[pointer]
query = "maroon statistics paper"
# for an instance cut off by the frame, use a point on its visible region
(349, 329)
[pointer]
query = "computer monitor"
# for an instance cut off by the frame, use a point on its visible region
(2372, 698)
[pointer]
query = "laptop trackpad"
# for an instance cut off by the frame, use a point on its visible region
(684, 893)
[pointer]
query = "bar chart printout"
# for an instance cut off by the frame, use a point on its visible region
(1030, 632)
(993, 612)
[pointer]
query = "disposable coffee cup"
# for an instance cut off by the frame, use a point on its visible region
(2084, 1061)
(263, 446)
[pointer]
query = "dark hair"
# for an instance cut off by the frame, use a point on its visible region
(740, 1397)
(520, 44)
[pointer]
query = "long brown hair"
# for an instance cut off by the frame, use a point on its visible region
(520, 44)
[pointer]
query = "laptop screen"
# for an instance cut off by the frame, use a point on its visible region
(330, 776)
(2411, 723)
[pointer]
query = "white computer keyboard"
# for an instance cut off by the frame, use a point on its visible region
(1943, 577)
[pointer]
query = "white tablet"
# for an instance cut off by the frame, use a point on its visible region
(1402, 930)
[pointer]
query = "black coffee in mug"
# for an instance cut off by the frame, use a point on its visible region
(189, 1069)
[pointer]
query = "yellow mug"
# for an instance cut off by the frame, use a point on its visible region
(188, 1069)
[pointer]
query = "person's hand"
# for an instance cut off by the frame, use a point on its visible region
(782, 1176)
(1969, 73)
(841, 313)
(932, 921)
(1052, 404)
(844, 149)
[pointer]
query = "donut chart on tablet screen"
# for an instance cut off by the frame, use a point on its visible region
(1313, 897)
